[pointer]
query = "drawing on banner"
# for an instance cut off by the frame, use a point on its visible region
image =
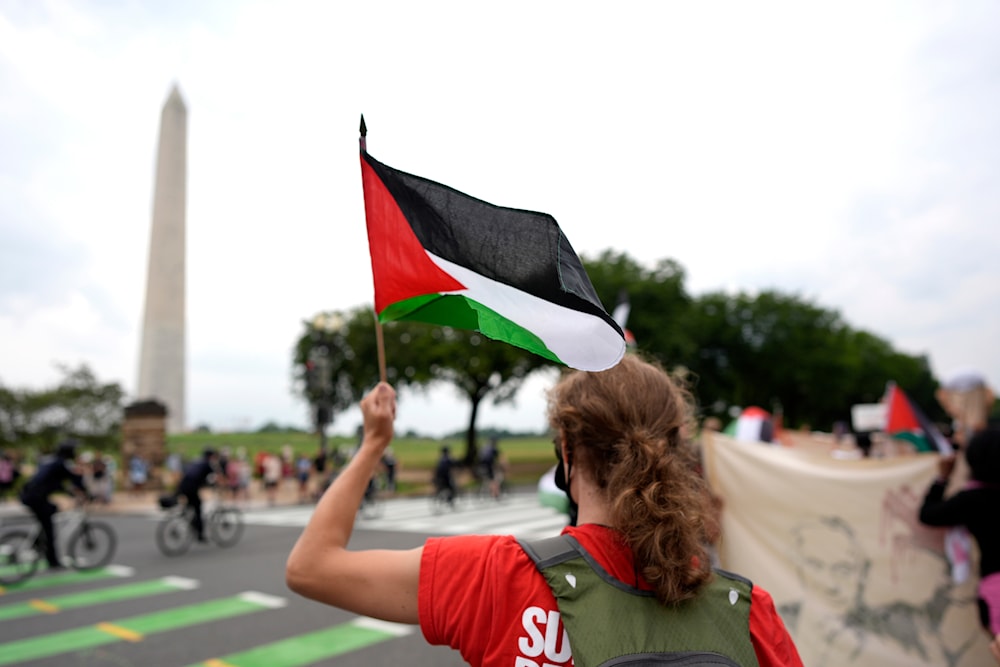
(832, 567)
(857, 579)
(833, 570)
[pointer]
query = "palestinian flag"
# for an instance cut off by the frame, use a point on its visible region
(905, 421)
(753, 425)
(620, 316)
(442, 257)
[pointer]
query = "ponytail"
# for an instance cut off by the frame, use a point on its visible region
(626, 426)
(659, 502)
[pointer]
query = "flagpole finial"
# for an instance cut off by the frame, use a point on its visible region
(364, 133)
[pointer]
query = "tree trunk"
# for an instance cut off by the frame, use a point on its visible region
(470, 435)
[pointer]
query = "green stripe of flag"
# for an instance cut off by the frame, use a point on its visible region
(137, 626)
(454, 310)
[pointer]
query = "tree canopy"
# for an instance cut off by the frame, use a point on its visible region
(417, 355)
(79, 406)
(771, 349)
(775, 350)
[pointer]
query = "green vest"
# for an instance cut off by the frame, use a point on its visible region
(612, 623)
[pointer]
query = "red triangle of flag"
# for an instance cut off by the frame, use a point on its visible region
(400, 266)
(899, 415)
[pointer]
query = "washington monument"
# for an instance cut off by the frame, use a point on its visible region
(162, 352)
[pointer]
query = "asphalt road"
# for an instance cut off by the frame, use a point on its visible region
(211, 606)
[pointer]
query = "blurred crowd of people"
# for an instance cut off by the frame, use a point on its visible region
(276, 473)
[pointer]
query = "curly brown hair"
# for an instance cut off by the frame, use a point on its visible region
(626, 426)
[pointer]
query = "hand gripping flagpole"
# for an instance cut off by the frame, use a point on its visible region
(379, 339)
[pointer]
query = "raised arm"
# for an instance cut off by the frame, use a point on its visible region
(377, 583)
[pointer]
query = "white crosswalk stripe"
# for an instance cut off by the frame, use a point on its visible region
(519, 514)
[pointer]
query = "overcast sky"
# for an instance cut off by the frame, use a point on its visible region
(845, 152)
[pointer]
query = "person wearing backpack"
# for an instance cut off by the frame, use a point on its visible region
(630, 583)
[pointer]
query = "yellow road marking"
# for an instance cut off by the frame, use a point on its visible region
(120, 632)
(215, 662)
(42, 605)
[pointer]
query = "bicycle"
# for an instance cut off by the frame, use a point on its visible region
(371, 506)
(444, 498)
(91, 544)
(484, 491)
(174, 533)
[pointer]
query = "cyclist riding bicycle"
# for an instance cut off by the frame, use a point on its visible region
(198, 475)
(491, 467)
(51, 477)
(443, 478)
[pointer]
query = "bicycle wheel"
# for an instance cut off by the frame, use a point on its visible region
(225, 526)
(442, 500)
(504, 490)
(483, 492)
(19, 556)
(370, 508)
(174, 535)
(92, 545)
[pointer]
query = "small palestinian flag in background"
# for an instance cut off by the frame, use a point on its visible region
(904, 420)
(442, 257)
(620, 316)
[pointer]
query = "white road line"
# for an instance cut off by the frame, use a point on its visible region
(184, 583)
(264, 600)
(395, 629)
(519, 514)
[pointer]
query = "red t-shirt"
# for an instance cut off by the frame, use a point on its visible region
(481, 595)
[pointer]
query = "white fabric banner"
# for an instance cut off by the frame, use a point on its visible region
(856, 577)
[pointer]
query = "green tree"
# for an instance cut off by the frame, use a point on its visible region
(416, 355)
(787, 354)
(657, 301)
(479, 369)
(771, 349)
(80, 406)
(326, 369)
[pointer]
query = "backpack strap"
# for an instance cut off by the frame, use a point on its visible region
(549, 550)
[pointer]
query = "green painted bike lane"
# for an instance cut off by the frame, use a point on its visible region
(55, 604)
(312, 647)
(70, 577)
(136, 627)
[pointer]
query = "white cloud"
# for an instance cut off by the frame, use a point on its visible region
(846, 153)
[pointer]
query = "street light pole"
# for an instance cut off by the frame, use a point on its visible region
(326, 327)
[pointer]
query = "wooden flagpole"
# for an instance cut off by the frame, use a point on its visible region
(379, 339)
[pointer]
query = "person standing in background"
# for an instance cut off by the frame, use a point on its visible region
(977, 508)
(272, 474)
(10, 472)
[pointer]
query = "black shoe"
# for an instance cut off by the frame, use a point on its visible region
(58, 567)
(202, 539)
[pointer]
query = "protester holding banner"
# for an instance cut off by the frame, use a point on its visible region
(976, 507)
(639, 545)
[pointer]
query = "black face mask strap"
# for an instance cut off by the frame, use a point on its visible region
(563, 485)
(563, 470)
